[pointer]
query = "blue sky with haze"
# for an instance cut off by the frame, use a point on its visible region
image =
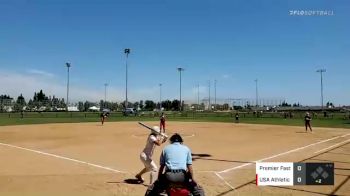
(232, 41)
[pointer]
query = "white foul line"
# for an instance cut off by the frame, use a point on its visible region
(280, 154)
(64, 158)
(333, 145)
(221, 178)
(247, 164)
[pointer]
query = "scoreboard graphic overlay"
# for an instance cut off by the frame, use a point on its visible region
(290, 174)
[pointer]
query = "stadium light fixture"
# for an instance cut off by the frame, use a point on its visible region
(197, 96)
(321, 73)
(68, 65)
(105, 84)
(215, 94)
(209, 104)
(256, 93)
(127, 52)
(160, 96)
(180, 69)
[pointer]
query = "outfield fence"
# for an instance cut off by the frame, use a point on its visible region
(177, 115)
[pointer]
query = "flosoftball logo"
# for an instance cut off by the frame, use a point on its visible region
(311, 13)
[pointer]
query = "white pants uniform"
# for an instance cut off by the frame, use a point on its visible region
(150, 165)
(146, 158)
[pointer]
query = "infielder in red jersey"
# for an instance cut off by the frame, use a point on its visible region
(162, 122)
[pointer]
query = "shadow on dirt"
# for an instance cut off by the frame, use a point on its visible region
(129, 181)
(205, 157)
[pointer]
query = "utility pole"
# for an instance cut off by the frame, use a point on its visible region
(68, 66)
(197, 96)
(321, 71)
(160, 96)
(127, 52)
(209, 106)
(214, 94)
(256, 93)
(180, 69)
(106, 84)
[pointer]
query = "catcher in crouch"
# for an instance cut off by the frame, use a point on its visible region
(146, 156)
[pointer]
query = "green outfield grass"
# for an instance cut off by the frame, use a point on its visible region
(43, 118)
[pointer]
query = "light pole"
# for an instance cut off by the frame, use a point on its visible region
(106, 84)
(127, 52)
(214, 94)
(160, 96)
(321, 71)
(180, 69)
(197, 96)
(256, 93)
(209, 106)
(68, 66)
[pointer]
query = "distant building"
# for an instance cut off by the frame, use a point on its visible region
(73, 109)
(94, 108)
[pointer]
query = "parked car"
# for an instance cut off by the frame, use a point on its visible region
(129, 112)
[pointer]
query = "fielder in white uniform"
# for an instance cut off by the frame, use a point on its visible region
(146, 156)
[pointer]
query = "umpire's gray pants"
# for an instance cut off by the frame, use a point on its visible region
(175, 177)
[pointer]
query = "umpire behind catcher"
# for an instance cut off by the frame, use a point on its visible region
(176, 159)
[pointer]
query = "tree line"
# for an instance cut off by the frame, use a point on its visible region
(42, 102)
(39, 102)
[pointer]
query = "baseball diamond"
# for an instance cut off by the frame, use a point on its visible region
(174, 98)
(83, 158)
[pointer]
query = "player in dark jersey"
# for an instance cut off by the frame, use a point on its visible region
(237, 117)
(162, 123)
(103, 116)
(307, 119)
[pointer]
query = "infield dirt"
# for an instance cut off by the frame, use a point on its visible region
(224, 157)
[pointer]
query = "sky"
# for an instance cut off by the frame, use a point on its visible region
(231, 41)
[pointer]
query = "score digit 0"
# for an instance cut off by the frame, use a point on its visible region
(299, 179)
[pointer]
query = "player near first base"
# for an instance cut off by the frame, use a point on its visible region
(307, 119)
(153, 140)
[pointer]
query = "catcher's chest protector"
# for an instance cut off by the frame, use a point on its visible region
(179, 192)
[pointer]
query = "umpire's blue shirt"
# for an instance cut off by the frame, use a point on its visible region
(176, 156)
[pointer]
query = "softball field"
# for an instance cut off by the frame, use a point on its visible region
(90, 159)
